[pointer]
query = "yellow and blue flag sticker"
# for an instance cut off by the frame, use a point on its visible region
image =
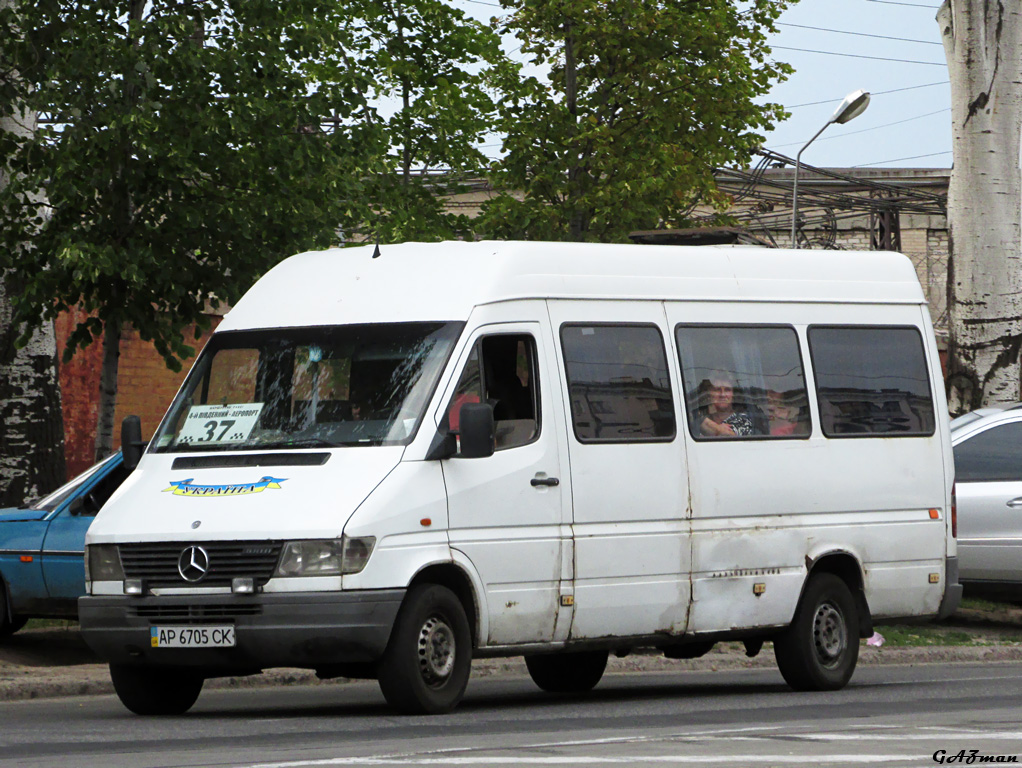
(187, 488)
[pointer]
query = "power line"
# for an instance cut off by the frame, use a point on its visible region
(860, 34)
(859, 56)
(899, 159)
(878, 93)
(480, 2)
(864, 130)
(913, 5)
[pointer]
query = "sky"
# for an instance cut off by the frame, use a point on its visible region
(908, 121)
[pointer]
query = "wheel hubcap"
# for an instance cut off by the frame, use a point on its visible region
(829, 634)
(436, 651)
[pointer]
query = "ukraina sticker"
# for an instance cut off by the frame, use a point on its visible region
(187, 488)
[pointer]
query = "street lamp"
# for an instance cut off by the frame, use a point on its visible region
(854, 104)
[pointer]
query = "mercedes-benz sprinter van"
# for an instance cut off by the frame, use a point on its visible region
(388, 462)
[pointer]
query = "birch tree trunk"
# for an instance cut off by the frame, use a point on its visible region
(983, 47)
(31, 423)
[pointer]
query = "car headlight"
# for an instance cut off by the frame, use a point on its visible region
(103, 563)
(325, 557)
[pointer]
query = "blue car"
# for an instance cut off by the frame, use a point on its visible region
(42, 546)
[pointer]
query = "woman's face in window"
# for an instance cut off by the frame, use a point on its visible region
(722, 395)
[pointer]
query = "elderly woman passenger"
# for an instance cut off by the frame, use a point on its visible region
(720, 419)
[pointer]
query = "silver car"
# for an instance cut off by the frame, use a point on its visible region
(987, 445)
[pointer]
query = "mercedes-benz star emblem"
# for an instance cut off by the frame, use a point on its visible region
(193, 564)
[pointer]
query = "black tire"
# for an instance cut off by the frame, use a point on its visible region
(576, 672)
(819, 650)
(426, 666)
(155, 691)
(9, 623)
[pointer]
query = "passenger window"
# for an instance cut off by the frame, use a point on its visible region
(871, 380)
(501, 371)
(994, 455)
(743, 382)
(618, 383)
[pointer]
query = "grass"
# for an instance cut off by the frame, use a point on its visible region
(978, 604)
(914, 636)
(52, 624)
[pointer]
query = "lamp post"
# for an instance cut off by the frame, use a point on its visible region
(854, 104)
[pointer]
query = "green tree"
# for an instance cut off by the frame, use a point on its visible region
(184, 149)
(432, 64)
(643, 101)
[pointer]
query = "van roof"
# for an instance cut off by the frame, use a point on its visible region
(444, 281)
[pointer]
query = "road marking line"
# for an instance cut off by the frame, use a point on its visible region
(588, 759)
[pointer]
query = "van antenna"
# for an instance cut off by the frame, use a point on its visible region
(376, 250)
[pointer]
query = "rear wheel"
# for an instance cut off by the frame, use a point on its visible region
(160, 691)
(428, 660)
(576, 672)
(819, 650)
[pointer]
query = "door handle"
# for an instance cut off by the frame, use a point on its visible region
(548, 481)
(1015, 503)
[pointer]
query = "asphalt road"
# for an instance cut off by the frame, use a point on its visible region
(889, 716)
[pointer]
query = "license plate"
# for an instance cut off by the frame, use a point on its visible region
(218, 636)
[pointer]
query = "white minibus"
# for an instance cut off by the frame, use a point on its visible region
(389, 461)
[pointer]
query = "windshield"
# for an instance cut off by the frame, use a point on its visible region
(55, 499)
(308, 387)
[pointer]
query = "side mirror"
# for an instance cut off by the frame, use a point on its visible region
(476, 430)
(131, 441)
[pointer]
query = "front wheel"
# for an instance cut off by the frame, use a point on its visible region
(575, 672)
(162, 691)
(428, 660)
(819, 650)
(9, 623)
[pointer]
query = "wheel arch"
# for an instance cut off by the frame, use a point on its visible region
(456, 579)
(847, 567)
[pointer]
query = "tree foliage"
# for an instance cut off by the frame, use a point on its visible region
(187, 147)
(432, 66)
(183, 153)
(643, 101)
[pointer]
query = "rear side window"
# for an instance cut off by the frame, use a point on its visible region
(618, 383)
(743, 382)
(994, 455)
(871, 381)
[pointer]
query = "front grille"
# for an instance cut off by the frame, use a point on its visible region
(194, 614)
(157, 563)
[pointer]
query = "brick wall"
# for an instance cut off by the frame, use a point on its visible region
(145, 387)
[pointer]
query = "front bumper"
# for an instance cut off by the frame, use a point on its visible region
(952, 589)
(307, 630)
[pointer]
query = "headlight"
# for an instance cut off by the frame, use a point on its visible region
(325, 557)
(103, 563)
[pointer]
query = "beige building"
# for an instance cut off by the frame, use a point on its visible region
(901, 209)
